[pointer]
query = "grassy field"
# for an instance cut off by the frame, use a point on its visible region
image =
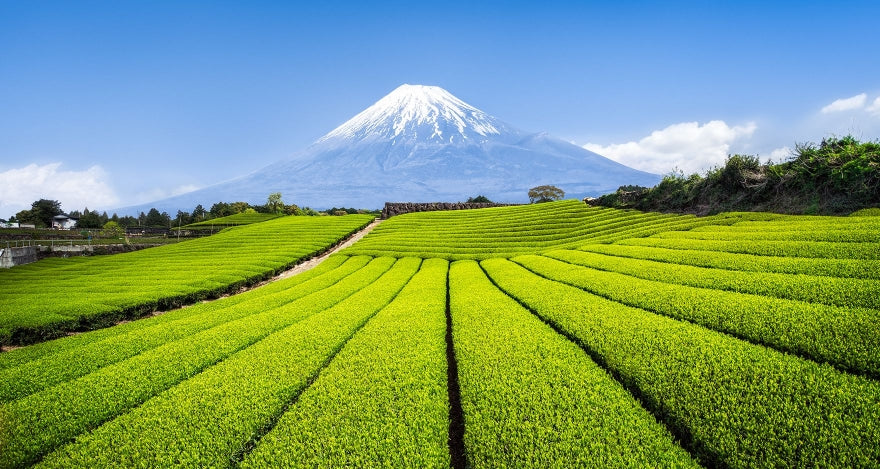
(553, 335)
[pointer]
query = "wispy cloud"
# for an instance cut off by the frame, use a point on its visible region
(159, 193)
(19, 187)
(875, 106)
(688, 146)
(846, 104)
(780, 154)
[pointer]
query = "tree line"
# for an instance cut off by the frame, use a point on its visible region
(43, 211)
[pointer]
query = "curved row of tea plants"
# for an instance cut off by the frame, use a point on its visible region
(532, 398)
(732, 403)
(609, 355)
(807, 329)
(48, 298)
(849, 268)
(834, 291)
(211, 418)
(41, 419)
(237, 219)
(381, 402)
(509, 231)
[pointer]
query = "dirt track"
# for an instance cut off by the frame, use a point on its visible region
(313, 262)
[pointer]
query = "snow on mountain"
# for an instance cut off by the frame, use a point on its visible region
(419, 144)
(419, 113)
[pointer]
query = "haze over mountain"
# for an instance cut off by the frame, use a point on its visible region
(419, 144)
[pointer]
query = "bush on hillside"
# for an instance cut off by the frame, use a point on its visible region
(837, 176)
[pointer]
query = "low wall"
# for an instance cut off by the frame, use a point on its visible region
(10, 257)
(399, 208)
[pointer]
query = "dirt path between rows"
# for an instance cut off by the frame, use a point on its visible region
(297, 269)
(313, 262)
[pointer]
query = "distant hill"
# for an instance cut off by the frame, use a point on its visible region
(419, 144)
(836, 177)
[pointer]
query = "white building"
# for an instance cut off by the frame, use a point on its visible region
(64, 222)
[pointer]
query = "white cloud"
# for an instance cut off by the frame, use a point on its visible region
(780, 154)
(20, 187)
(688, 146)
(846, 104)
(875, 106)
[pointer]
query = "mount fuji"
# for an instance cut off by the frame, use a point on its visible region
(420, 144)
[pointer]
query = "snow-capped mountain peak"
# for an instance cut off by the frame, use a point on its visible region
(420, 144)
(422, 113)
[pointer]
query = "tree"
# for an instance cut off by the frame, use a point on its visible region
(480, 199)
(127, 221)
(111, 229)
(238, 207)
(89, 219)
(25, 216)
(156, 219)
(182, 218)
(540, 194)
(292, 209)
(220, 209)
(199, 213)
(274, 204)
(41, 213)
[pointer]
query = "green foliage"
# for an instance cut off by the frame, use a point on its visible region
(866, 212)
(805, 329)
(72, 358)
(730, 402)
(90, 219)
(227, 405)
(111, 229)
(508, 231)
(837, 176)
(157, 220)
(539, 194)
(389, 382)
(244, 218)
(40, 213)
(480, 199)
(133, 284)
(609, 338)
(274, 203)
(560, 409)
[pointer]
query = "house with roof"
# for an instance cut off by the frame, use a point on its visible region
(64, 222)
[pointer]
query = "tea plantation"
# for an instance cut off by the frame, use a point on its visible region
(548, 335)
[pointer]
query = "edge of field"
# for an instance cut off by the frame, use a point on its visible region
(117, 317)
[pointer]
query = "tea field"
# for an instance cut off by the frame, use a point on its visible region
(50, 297)
(550, 335)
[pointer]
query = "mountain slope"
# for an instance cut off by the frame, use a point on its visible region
(421, 143)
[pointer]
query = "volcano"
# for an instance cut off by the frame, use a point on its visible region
(420, 144)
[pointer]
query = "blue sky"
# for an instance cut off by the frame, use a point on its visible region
(111, 103)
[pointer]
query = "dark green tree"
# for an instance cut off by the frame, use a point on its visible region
(156, 219)
(238, 207)
(220, 209)
(41, 213)
(480, 199)
(545, 193)
(182, 218)
(89, 220)
(199, 213)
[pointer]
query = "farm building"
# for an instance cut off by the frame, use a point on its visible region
(64, 222)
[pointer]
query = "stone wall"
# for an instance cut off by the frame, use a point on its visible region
(399, 208)
(10, 257)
